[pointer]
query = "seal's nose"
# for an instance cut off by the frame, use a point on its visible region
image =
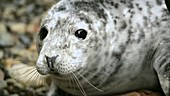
(51, 61)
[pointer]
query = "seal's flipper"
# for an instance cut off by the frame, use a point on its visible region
(162, 65)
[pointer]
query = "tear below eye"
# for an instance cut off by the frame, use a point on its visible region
(43, 33)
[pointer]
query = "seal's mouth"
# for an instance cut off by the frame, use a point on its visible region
(60, 70)
(55, 65)
(60, 75)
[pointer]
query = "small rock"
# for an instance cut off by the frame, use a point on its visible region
(25, 40)
(30, 8)
(33, 47)
(8, 63)
(42, 91)
(14, 86)
(46, 2)
(6, 40)
(25, 55)
(19, 2)
(9, 12)
(14, 95)
(4, 93)
(1, 75)
(11, 82)
(2, 27)
(34, 24)
(32, 27)
(20, 12)
(18, 27)
(1, 54)
(3, 84)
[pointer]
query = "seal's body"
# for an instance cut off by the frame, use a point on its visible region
(104, 47)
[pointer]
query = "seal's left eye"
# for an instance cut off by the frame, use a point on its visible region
(43, 33)
(81, 33)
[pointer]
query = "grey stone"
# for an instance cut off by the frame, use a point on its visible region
(17, 27)
(1, 54)
(2, 27)
(2, 75)
(6, 40)
(14, 95)
(4, 93)
(24, 39)
(3, 84)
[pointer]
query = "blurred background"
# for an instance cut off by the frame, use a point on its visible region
(19, 25)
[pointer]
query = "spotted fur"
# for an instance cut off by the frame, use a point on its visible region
(127, 47)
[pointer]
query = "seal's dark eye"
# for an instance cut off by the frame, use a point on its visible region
(81, 33)
(43, 33)
(167, 2)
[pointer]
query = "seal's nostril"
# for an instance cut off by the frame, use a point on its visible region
(50, 61)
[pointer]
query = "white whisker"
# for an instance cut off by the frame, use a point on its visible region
(79, 85)
(90, 83)
(71, 79)
(31, 78)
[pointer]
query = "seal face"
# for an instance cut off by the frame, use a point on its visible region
(104, 47)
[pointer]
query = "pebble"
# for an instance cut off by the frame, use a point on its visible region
(42, 90)
(9, 62)
(6, 40)
(1, 55)
(14, 86)
(8, 12)
(25, 55)
(20, 2)
(18, 27)
(30, 8)
(25, 40)
(1, 75)
(33, 47)
(34, 25)
(32, 28)
(2, 27)
(21, 11)
(47, 2)
(3, 84)
(4, 93)
(14, 95)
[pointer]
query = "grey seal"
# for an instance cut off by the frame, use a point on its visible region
(105, 47)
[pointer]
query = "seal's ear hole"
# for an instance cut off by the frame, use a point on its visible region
(43, 33)
(81, 33)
